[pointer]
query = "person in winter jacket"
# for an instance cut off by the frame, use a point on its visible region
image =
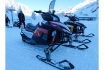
(7, 20)
(21, 19)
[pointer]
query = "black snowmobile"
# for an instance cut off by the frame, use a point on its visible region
(77, 29)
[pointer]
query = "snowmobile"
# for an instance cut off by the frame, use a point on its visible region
(48, 32)
(77, 29)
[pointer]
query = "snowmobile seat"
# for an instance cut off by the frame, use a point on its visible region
(30, 27)
(73, 18)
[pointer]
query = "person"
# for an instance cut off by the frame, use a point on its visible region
(7, 20)
(21, 19)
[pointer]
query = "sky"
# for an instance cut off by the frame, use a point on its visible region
(44, 4)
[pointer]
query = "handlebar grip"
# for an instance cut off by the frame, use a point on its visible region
(38, 11)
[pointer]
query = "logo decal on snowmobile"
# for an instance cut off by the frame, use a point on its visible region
(39, 31)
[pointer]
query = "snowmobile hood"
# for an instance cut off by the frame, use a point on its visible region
(65, 28)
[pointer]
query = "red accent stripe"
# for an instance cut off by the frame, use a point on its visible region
(53, 39)
(43, 30)
(56, 26)
(40, 31)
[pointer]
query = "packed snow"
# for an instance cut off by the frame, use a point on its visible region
(22, 56)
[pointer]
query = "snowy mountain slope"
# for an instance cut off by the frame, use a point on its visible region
(87, 8)
(17, 7)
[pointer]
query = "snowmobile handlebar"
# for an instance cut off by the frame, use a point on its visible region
(38, 11)
(43, 12)
(73, 18)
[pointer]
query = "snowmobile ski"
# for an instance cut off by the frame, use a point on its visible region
(55, 64)
(89, 35)
(85, 41)
(80, 47)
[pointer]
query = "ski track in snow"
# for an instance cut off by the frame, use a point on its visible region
(22, 56)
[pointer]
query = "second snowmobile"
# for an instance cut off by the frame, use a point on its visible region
(77, 28)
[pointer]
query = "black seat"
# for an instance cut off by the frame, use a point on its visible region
(30, 27)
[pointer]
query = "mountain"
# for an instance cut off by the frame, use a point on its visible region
(87, 8)
(82, 9)
(17, 6)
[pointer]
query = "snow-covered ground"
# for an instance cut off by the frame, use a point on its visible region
(22, 56)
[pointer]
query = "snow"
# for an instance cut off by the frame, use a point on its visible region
(22, 56)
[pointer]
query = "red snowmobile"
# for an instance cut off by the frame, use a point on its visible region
(48, 32)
